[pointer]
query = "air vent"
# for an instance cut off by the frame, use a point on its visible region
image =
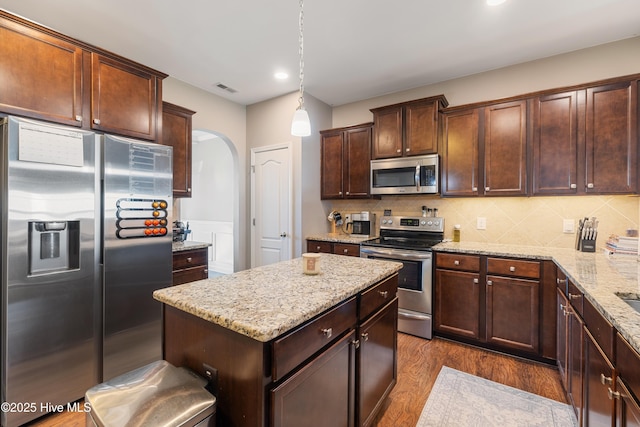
(225, 87)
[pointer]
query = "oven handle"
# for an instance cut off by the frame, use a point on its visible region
(395, 254)
(405, 314)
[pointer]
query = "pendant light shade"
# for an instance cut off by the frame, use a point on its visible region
(301, 126)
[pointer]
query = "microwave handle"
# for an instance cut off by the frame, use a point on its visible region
(416, 177)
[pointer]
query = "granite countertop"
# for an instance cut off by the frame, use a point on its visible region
(600, 277)
(265, 302)
(188, 245)
(340, 238)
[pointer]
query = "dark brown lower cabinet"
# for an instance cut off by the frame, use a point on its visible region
(457, 309)
(627, 392)
(190, 265)
(513, 313)
(627, 408)
(598, 381)
(377, 362)
(333, 376)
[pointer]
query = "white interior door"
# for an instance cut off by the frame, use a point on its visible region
(271, 204)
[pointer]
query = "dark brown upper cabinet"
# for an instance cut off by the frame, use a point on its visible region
(176, 133)
(345, 162)
(460, 168)
(407, 129)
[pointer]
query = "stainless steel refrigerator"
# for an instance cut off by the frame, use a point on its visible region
(85, 240)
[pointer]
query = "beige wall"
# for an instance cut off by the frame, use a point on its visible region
(520, 220)
(227, 120)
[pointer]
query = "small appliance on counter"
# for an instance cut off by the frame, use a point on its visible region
(180, 231)
(363, 224)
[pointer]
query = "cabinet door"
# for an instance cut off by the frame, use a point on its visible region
(421, 128)
(42, 76)
(357, 175)
(457, 303)
(575, 362)
(460, 172)
(513, 313)
(505, 149)
(332, 162)
(387, 133)
(555, 143)
(377, 362)
(562, 337)
(598, 380)
(331, 376)
(176, 133)
(124, 99)
(612, 138)
(627, 408)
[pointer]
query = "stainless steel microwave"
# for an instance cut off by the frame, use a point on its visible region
(406, 175)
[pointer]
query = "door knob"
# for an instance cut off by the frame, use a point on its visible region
(283, 234)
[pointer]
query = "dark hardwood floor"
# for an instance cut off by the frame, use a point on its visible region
(419, 362)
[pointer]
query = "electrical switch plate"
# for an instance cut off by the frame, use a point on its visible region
(568, 226)
(481, 223)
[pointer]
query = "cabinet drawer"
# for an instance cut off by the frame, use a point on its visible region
(513, 267)
(376, 297)
(575, 297)
(346, 249)
(458, 262)
(190, 275)
(318, 246)
(603, 331)
(300, 344)
(187, 259)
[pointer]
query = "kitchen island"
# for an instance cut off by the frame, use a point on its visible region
(285, 348)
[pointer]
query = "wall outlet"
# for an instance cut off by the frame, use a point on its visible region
(568, 226)
(481, 223)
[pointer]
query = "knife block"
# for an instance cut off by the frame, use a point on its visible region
(587, 245)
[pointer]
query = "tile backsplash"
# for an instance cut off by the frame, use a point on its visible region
(534, 221)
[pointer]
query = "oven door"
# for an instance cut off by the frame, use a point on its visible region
(414, 287)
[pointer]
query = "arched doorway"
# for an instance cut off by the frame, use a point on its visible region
(213, 209)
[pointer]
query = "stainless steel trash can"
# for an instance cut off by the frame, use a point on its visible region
(158, 395)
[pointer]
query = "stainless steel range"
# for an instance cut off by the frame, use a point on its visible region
(409, 240)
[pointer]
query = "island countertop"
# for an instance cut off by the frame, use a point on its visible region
(265, 302)
(602, 278)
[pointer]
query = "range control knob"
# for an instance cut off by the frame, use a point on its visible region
(423, 222)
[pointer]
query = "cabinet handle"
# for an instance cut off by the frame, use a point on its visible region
(560, 281)
(356, 343)
(78, 118)
(590, 185)
(562, 308)
(96, 121)
(189, 259)
(456, 262)
(573, 186)
(574, 296)
(512, 269)
(384, 294)
(613, 394)
(327, 332)
(605, 380)
(365, 336)
(489, 283)
(474, 188)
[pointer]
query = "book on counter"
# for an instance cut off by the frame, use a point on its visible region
(621, 245)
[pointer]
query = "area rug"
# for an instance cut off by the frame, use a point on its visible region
(461, 399)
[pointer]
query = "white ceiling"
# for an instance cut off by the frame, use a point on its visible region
(353, 49)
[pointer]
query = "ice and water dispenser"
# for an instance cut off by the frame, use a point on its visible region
(53, 246)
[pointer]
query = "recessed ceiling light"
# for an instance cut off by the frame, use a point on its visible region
(495, 2)
(281, 75)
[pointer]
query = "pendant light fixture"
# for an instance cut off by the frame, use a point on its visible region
(301, 126)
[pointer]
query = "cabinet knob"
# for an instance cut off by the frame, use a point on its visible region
(189, 259)
(78, 118)
(96, 121)
(590, 185)
(475, 281)
(189, 190)
(347, 193)
(613, 394)
(487, 188)
(407, 150)
(573, 186)
(512, 269)
(346, 251)
(560, 281)
(398, 150)
(574, 296)
(318, 248)
(327, 332)
(474, 188)
(365, 336)
(356, 344)
(456, 262)
(489, 283)
(384, 294)
(340, 193)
